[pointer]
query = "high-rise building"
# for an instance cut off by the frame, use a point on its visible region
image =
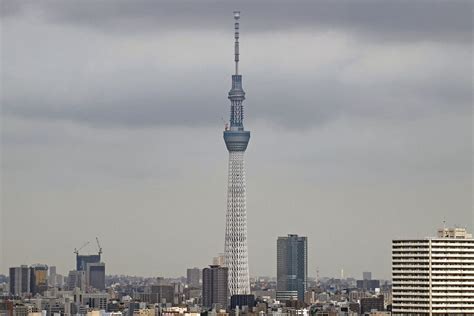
(292, 267)
(38, 278)
(236, 139)
(193, 276)
(215, 286)
(95, 275)
(83, 260)
(366, 275)
(76, 279)
(19, 280)
(52, 276)
(434, 276)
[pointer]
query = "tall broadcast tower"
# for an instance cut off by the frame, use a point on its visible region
(236, 140)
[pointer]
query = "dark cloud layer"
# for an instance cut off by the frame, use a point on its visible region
(386, 20)
(138, 92)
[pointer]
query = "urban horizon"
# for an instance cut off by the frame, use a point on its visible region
(352, 197)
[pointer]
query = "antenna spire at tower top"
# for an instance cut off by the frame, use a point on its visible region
(236, 44)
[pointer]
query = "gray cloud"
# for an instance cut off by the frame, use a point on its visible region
(389, 20)
(181, 78)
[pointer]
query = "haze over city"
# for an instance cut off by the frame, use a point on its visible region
(113, 112)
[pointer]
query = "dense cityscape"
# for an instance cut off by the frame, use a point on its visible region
(430, 276)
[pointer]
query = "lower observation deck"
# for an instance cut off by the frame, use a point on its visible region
(236, 140)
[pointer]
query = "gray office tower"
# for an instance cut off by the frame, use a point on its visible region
(19, 280)
(95, 275)
(366, 275)
(215, 290)
(193, 276)
(292, 267)
(83, 260)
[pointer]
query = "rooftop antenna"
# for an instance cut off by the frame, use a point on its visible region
(236, 45)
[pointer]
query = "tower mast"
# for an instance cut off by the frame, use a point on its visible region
(236, 43)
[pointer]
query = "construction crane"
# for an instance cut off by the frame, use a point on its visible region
(76, 251)
(98, 245)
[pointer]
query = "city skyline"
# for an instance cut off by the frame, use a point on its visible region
(357, 120)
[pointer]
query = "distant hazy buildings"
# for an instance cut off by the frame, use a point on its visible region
(367, 283)
(193, 276)
(370, 304)
(38, 278)
(366, 275)
(28, 280)
(76, 279)
(292, 267)
(215, 286)
(434, 275)
(19, 280)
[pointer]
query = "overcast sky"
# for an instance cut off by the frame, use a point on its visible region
(360, 114)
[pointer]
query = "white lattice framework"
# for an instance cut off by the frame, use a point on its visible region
(236, 255)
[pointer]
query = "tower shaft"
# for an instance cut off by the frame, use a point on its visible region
(236, 256)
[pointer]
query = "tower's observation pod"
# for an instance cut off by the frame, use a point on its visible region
(236, 139)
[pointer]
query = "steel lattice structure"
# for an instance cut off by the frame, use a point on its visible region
(236, 140)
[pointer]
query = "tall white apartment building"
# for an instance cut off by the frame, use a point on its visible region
(434, 276)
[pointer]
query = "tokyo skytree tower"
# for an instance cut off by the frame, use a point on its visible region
(236, 140)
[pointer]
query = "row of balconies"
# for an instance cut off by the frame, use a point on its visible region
(456, 242)
(453, 289)
(452, 292)
(434, 272)
(411, 249)
(403, 288)
(410, 242)
(451, 282)
(420, 265)
(435, 283)
(424, 260)
(403, 310)
(444, 267)
(453, 255)
(462, 299)
(454, 259)
(435, 291)
(410, 277)
(435, 296)
(452, 277)
(412, 254)
(411, 299)
(459, 259)
(411, 272)
(409, 304)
